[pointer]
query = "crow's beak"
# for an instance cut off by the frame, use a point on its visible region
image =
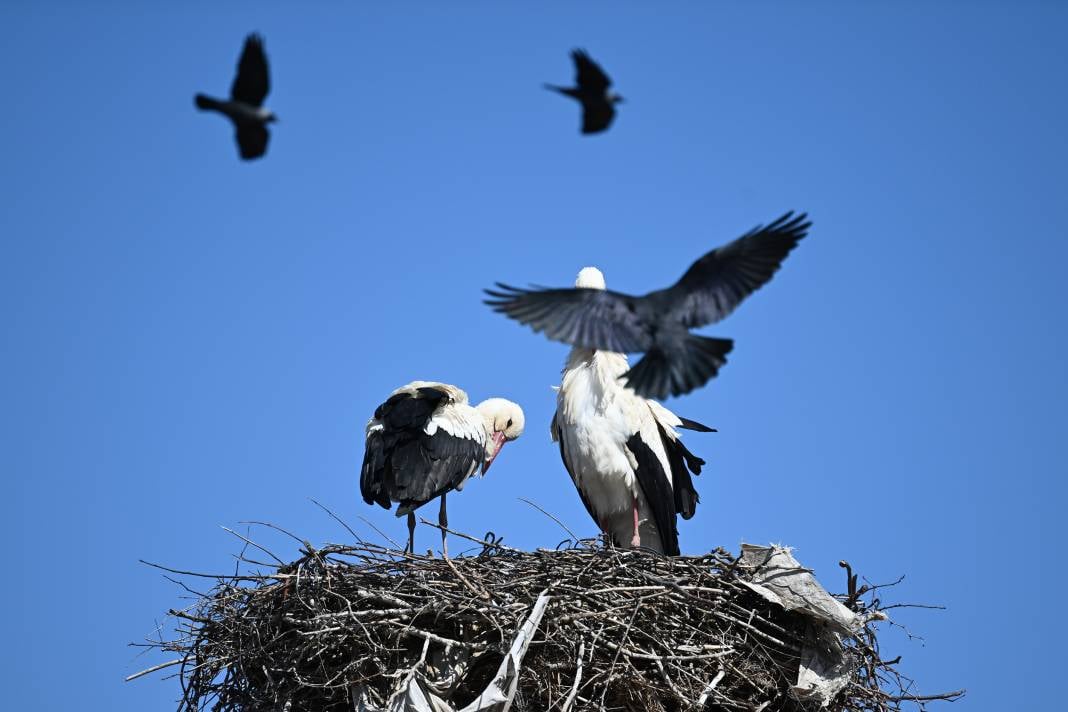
(498, 445)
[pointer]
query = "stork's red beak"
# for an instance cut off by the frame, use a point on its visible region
(498, 444)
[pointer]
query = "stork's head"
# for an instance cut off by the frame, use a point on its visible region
(504, 422)
(590, 278)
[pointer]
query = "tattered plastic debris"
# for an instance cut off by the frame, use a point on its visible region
(414, 694)
(826, 664)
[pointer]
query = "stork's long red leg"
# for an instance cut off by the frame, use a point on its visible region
(635, 540)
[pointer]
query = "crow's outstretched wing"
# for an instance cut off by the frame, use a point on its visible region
(253, 79)
(590, 318)
(588, 74)
(718, 282)
(252, 140)
(597, 116)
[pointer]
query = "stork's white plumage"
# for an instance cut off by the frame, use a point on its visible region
(623, 451)
(425, 440)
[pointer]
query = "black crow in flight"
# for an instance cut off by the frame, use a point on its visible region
(658, 323)
(245, 106)
(592, 91)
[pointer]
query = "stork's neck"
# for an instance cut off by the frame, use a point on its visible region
(594, 371)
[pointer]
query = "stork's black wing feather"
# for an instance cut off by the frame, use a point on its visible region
(590, 318)
(403, 464)
(409, 410)
(372, 471)
(718, 282)
(588, 74)
(694, 425)
(403, 417)
(683, 462)
(432, 465)
(252, 82)
(657, 490)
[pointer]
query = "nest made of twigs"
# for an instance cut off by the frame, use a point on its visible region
(625, 630)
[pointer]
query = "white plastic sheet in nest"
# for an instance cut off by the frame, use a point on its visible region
(826, 666)
(415, 696)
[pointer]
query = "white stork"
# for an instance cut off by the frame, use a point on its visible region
(426, 440)
(623, 451)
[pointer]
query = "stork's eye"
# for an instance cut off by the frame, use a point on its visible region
(509, 423)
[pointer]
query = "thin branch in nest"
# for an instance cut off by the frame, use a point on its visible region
(381, 533)
(155, 668)
(574, 537)
(336, 518)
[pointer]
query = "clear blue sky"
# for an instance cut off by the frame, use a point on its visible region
(191, 341)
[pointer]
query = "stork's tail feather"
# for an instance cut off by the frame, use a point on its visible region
(205, 102)
(694, 425)
(693, 363)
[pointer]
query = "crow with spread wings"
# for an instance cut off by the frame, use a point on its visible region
(591, 90)
(658, 324)
(245, 105)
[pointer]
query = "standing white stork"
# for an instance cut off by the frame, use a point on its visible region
(622, 450)
(426, 440)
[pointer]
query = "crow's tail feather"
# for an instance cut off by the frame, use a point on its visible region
(566, 91)
(205, 102)
(690, 364)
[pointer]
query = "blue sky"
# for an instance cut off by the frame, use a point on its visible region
(192, 341)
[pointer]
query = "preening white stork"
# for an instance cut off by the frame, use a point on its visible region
(623, 451)
(426, 440)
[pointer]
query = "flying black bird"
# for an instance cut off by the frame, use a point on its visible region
(598, 108)
(658, 323)
(245, 106)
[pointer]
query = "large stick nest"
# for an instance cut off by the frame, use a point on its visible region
(624, 630)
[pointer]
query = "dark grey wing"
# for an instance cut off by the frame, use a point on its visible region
(657, 490)
(718, 282)
(682, 462)
(252, 140)
(589, 318)
(588, 74)
(253, 78)
(597, 116)
(679, 363)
